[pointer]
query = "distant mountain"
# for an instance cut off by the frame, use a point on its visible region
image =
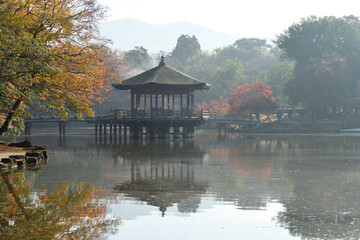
(128, 33)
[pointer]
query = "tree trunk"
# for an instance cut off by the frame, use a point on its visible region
(5, 127)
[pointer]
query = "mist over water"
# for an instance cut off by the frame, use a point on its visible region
(215, 186)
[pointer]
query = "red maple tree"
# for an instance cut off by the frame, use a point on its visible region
(254, 98)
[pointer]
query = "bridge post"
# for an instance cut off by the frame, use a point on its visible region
(176, 132)
(189, 131)
(27, 130)
(148, 132)
(125, 131)
(100, 129)
(96, 129)
(155, 131)
(140, 132)
(61, 128)
(165, 131)
(105, 129)
(133, 131)
(120, 129)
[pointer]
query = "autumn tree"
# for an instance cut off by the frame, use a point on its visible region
(50, 51)
(218, 107)
(255, 99)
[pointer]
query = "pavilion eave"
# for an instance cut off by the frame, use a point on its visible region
(151, 87)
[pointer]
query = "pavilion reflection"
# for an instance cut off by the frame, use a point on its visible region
(162, 174)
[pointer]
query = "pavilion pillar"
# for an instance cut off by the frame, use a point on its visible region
(187, 101)
(132, 101)
(192, 102)
(168, 101)
(151, 103)
(173, 102)
(181, 102)
(137, 102)
(145, 102)
(163, 101)
(156, 101)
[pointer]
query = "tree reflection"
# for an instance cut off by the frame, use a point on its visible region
(63, 214)
(326, 192)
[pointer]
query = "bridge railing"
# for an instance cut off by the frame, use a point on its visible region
(217, 117)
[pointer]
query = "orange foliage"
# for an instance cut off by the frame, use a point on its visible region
(52, 51)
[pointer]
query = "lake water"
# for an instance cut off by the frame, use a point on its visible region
(212, 187)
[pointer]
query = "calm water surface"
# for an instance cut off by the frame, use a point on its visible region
(212, 187)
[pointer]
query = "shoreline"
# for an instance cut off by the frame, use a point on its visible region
(6, 150)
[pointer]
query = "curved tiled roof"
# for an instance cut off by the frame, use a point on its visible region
(161, 75)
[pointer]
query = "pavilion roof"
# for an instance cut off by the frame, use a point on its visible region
(161, 75)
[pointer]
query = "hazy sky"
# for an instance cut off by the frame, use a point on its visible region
(241, 18)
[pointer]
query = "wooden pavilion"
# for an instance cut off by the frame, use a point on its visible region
(162, 103)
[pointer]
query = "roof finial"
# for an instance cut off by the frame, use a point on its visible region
(162, 62)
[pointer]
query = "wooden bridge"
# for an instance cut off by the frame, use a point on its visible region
(152, 124)
(237, 120)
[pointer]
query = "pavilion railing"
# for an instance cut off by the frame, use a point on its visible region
(153, 114)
